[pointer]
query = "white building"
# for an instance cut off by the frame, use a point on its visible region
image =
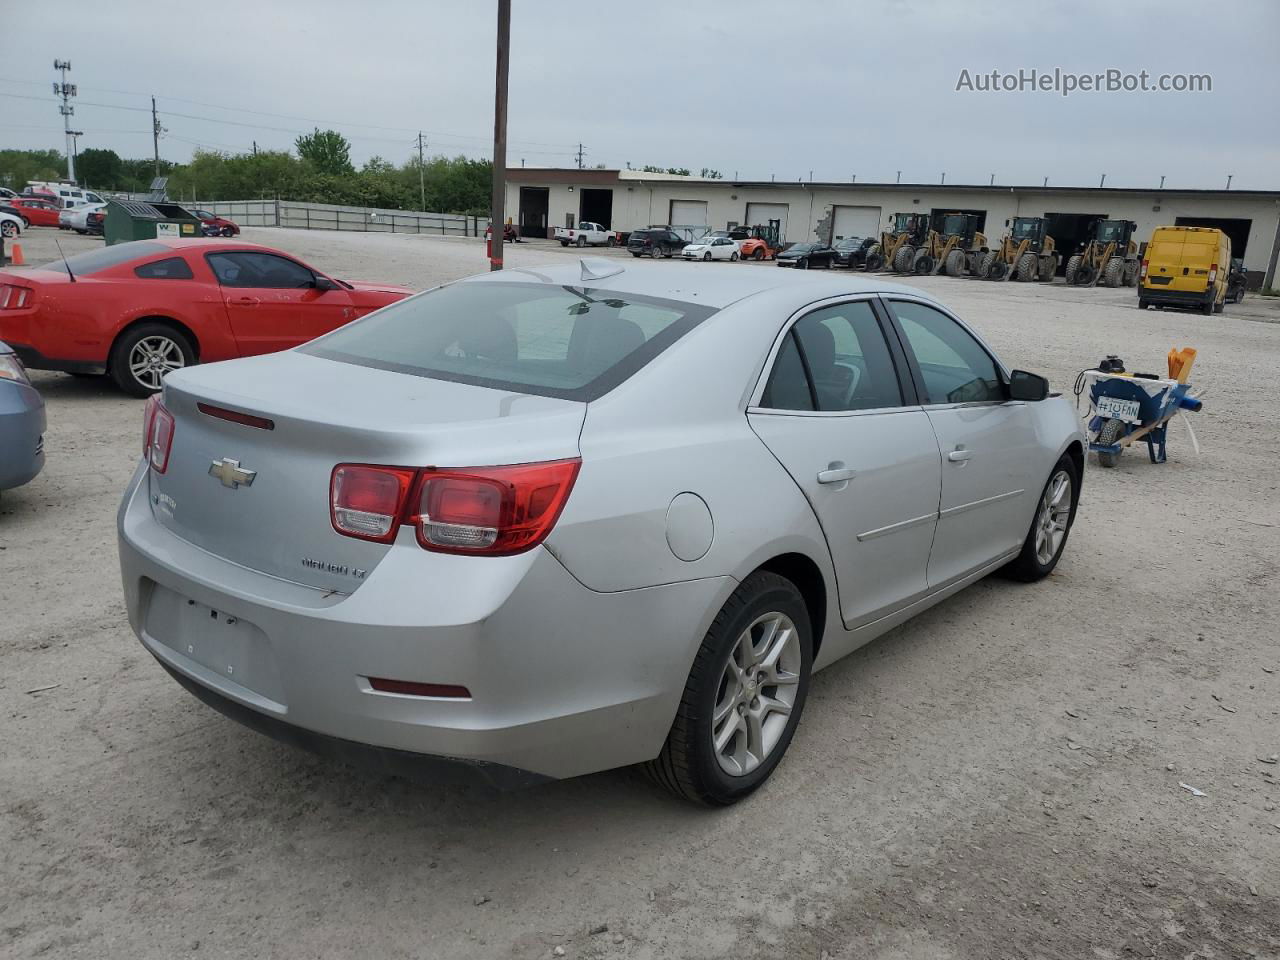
(538, 200)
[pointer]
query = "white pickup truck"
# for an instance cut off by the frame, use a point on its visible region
(585, 233)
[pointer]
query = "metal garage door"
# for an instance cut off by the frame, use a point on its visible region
(688, 213)
(759, 215)
(855, 222)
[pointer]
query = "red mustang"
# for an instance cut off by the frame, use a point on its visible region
(137, 310)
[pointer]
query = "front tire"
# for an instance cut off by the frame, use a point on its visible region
(1051, 525)
(706, 257)
(145, 354)
(1073, 268)
(1113, 275)
(1027, 268)
(744, 696)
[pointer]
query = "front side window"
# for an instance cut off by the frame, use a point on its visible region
(569, 342)
(260, 270)
(844, 360)
(953, 364)
(171, 268)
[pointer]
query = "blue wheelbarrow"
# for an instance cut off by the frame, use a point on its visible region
(1124, 409)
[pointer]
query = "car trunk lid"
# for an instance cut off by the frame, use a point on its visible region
(322, 413)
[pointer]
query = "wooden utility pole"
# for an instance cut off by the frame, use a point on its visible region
(496, 208)
(422, 181)
(155, 134)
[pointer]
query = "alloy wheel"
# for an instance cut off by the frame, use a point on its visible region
(756, 693)
(152, 358)
(1053, 517)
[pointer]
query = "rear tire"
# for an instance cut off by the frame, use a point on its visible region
(582, 241)
(733, 257)
(922, 264)
(874, 263)
(1208, 308)
(144, 354)
(1073, 269)
(1051, 525)
(1143, 303)
(655, 252)
(1048, 269)
(1219, 307)
(727, 685)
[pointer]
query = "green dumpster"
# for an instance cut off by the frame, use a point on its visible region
(147, 219)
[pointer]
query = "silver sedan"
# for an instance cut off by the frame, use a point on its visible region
(546, 522)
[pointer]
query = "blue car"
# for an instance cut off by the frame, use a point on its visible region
(22, 423)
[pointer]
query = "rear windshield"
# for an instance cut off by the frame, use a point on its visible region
(87, 264)
(575, 343)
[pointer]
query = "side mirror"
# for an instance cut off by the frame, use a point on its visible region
(323, 283)
(1006, 223)
(1027, 386)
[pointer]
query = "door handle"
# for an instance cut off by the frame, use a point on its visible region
(835, 474)
(247, 301)
(959, 455)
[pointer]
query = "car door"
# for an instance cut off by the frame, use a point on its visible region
(272, 301)
(839, 412)
(988, 446)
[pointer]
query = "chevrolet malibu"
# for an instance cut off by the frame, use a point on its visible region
(540, 523)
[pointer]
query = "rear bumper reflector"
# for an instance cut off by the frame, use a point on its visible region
(412, 688)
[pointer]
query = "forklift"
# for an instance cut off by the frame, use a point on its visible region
(1026, 253)
(1110, 255)
(960, 246)
(897, 247)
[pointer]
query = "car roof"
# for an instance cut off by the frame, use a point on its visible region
(679, 281)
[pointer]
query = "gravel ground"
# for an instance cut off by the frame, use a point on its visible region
(1000, 777)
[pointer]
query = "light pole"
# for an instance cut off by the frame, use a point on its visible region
(497, 232)
(66, 91)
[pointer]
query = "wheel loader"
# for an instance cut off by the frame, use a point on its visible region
(897, 247)
(1110, 255)
(1026, 253)
(959, 246)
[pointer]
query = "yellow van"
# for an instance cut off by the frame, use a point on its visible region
(1186, 267)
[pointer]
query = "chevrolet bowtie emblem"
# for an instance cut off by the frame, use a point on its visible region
(231, 473)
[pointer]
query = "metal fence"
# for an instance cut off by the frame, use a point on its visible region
(328, 216)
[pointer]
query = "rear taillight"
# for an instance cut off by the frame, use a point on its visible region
(490, 511)
(1213, 273)
(13, 297)
(157, 434)
(368, 502)
(1145, 264)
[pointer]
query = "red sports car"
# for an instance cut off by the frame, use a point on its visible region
(213, 225)
(137, 310)
(37, 212)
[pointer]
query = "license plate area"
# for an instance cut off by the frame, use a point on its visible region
(233, 649)
(1113, 408)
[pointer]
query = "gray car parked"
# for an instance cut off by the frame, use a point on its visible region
(550, 521)
(22, 423)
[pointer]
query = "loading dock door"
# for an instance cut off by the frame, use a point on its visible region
(759, 215)
(534, 203)
(596, 206)
(688, 213)
(1070, 231)
(1236, 229)
(855, 222)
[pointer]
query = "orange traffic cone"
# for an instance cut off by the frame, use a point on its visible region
(16, 258)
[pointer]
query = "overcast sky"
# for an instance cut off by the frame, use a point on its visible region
(753, 88)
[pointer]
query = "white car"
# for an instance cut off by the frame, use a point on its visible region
(711, 248)
(77, 218)
(10, 226)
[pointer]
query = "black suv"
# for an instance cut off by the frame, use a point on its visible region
(655, 241)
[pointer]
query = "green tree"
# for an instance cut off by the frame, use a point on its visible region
(327, 151)
(19, 166)
(711, 174)
(100, 168)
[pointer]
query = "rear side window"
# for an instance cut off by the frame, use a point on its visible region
(569, 342)
(843, 353)
(171, 268)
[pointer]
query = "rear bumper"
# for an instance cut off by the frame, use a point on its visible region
(33, 359)
(564, 680)
(22, 426)
(1177, 298)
